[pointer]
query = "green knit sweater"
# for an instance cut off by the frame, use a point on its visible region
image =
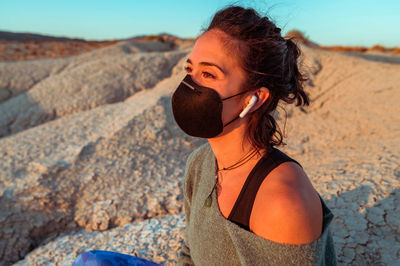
(211, 239)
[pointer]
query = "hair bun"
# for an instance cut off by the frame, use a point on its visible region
(277, 30)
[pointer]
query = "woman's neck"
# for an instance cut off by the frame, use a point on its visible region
(232, 147)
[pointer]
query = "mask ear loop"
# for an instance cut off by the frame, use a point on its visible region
(252, 102)
(243, 92)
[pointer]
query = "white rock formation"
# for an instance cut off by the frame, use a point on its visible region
(84, 85)
(97, 169)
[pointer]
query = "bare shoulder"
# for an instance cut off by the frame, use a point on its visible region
(287, 208)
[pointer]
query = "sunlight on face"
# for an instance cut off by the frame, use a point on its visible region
(212, 65)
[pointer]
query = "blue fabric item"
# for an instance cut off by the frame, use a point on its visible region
(108, 258)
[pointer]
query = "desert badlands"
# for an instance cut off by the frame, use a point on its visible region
(91, 158)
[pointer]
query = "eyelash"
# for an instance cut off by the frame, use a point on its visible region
(189, 70)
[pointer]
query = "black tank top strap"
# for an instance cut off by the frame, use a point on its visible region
(241, 211)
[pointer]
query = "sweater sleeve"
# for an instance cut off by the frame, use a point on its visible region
(184, 257)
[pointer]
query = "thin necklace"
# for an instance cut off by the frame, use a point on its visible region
(239, 163)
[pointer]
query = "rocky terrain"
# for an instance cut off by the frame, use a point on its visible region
(90, 156)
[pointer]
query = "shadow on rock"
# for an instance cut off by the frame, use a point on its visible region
(10, 124)
(24, 225)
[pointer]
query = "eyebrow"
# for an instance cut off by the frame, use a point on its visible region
(208, 64)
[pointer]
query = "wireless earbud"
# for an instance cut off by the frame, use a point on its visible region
(252, 102)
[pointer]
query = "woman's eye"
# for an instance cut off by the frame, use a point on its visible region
(204, 74)
(208, 75)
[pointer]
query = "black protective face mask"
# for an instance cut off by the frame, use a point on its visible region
(198, 110)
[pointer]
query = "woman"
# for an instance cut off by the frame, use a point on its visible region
(245, 201)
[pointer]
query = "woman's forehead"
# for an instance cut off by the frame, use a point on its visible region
(210, 47)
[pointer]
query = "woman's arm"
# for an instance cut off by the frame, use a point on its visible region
(184, 257)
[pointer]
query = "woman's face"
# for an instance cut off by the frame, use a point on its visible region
(212, 65)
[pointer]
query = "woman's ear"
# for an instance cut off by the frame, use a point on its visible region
(262, 96)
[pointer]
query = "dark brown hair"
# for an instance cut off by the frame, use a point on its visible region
(269, 61)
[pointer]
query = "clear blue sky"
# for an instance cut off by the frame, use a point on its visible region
(334, 22)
